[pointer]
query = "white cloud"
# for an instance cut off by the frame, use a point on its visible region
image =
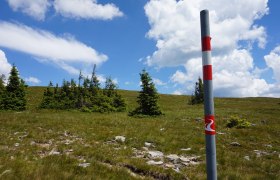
(158, 82)
(273, 61)
(65, 52)
(179, 77)
(5, 66)
(87, 9)
(34, 8)
(175, 26)
(32, 80)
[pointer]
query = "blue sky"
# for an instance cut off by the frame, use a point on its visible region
(51, 40)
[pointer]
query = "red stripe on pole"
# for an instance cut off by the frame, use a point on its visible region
(207, 72)
(210, 125)
(206, 44)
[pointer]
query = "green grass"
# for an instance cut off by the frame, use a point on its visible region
(87, 134)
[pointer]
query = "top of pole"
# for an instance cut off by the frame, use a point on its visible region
(204, 23)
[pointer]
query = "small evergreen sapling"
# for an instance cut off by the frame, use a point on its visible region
(198, 96)
(148, 97)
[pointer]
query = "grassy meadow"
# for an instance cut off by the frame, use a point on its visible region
(50, 144)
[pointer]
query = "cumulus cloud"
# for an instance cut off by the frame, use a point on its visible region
(86, 9)
(273, 61)
(5, 67)
(32, 80)
(36, 9)
(77, 9)
(65, 52)
(158, 82)
(175, 26)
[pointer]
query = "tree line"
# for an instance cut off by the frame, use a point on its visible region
(87, 95)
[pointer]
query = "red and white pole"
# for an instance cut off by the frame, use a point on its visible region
(208, 97)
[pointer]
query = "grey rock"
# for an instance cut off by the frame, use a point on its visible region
(169, 165)
(145, 148)
(16, 144)
(261, 153)
(186, 149)
(148, 144)
(152, 162)
(155, 154)
(120, 138)
(173, 158)
(54, 152)
(84, 165)
(235, 144)
(185, 159)
(247, 158)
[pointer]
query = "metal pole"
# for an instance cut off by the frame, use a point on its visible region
(208, 97)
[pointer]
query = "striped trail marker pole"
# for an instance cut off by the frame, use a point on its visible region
(208, 97)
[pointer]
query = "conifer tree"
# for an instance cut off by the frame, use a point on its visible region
(48, 98)
(198, 96)
(14, 98)
(148, 97)
(110, 87)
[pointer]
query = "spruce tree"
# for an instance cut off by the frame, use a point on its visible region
(15, 92)
(148, 97)
(198, 96)
(48, 98)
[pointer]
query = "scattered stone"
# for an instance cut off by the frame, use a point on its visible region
(235, 144)
(155, 154)
(261, 153)
(145, 148)
(148, 144)
(54, 152)
(120, 138)
(184, 159)
(162, 129)
(32, 143)
(221, 133)
(186, 149)
(12, 157)
(66, 134)
(173, 158)
(253, 124)
(187, 161)
(16, 144)
(152, 162)
(268, 145)
(247, 158)
(169, 165)
(84, 165)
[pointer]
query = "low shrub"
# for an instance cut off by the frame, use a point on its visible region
(235, 121)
